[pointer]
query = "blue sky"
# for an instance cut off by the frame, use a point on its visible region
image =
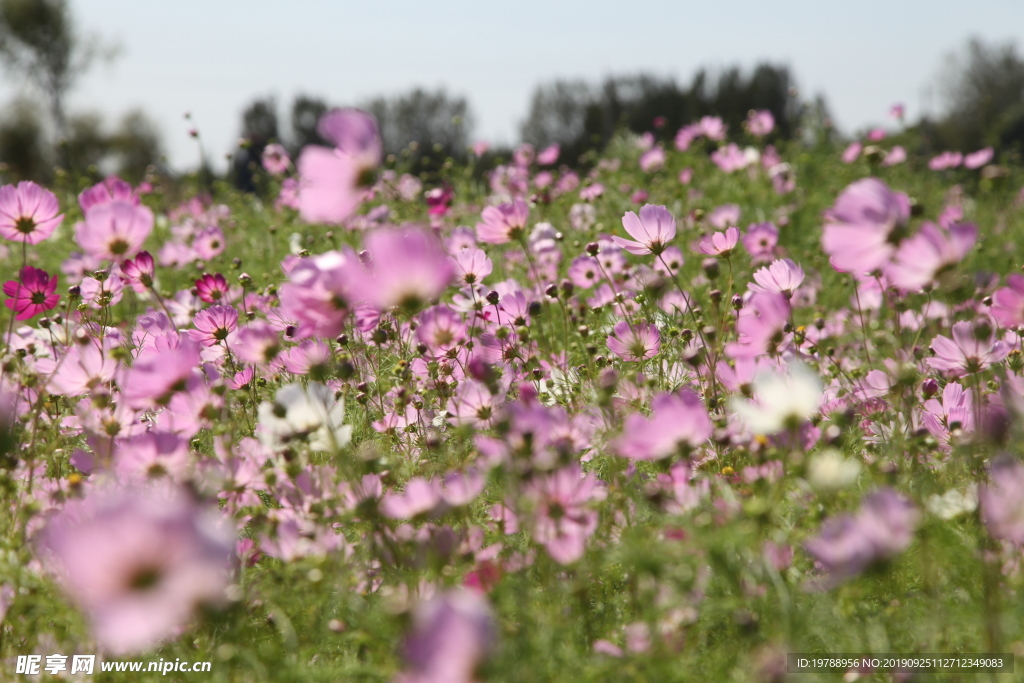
(213, 57)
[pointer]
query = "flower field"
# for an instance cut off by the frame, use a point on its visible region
(704, 401)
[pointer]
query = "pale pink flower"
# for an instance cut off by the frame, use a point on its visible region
(1008, 302)
(503, 223)
(653, 230)
(861, 224)
(979, 158)
(719, 243)
(973, 348)
(923, 257)
(408, 268)
(28, 213)
(636, 342)
(678, 421)
(114, 230)
(138, 563)
(563, 517)
(782, 277)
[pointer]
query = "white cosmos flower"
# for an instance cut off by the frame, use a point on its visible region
(304, 414)
(830, 471)
(781, 400)
(953, 502)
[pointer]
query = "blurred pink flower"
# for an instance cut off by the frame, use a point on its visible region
(851, 153)
(1002, 500)
(548, 155)
(1008, 302)
(677, 421)
(503, 223)
(922, 258)
(275, 159)
(563, 519)
(408, 268)
(760, 123)
(138, 563)
(451, 635)
(114, 230)
(945, 160)
(857, 234)
(979, 158)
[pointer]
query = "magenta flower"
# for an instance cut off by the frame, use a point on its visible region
(32, 293)
(408, 268)
(138, 563)
(678, 421)
(214, 324)
(760, 241)
(653, 230)
(922, 258)
(848, 545)
(1002, 501)
(782, 277)
(979, 158)
(333, 182)
(114, 230)
(139, 272)
(720, 243)
(28, 213)
(212, 288)
(1008, 302)
(636, 342)
(503, 223)
(973, 348)
(861, 225)
(563, 519)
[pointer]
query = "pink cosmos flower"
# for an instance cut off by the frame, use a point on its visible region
(861, 224)
(114, 230)
(503, 223)
(1008, 302)
(897, 111)
(653, 230)
(32, 293)
(258, 342)
(160, 371)
(214, 324)
(945, 160)
(760, 325)
(408, 268)
(110, 190)
(760, 123)
(418, 497)
(636, 342)
(591, 192)
(451, 635)
(876, 134)
(652, 160)
(275, 159)
(713, 128)
(152, 455)
(955, 411)
(1002, 501)
(720, 243)
(318, 293)
(209, 243)
(979, 158)
(473, 404)
(28, 213)
(139, 272)
(440, 329)
(86, 366)
(333, 182)
(851, 153)
(923, 257)
(848, 545)
(677, 421)
(472, 265)
(548, 155)
(212, 288)
(782, 277)
(760, 241)
(138, 563)
(896, 155)
(563, 519)
(686, 136)
(973, 348)
(730, 158)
